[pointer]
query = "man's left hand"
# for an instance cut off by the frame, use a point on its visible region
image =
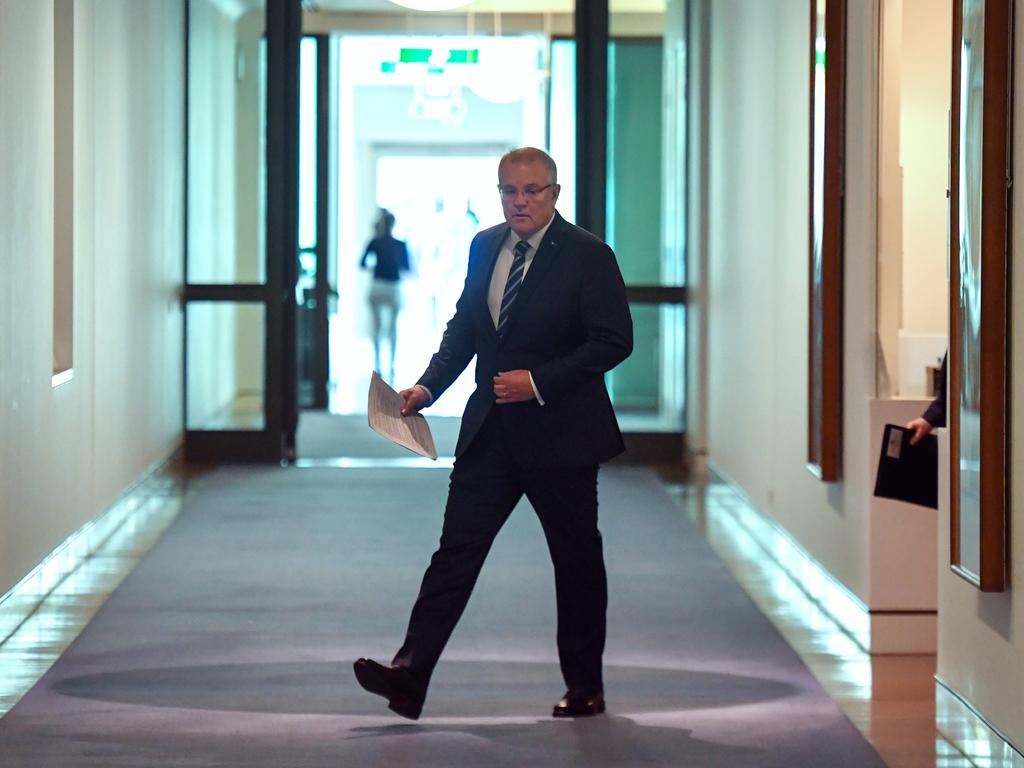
(921, 428)
(513, 387)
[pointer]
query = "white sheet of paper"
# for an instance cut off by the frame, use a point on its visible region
(384, 411)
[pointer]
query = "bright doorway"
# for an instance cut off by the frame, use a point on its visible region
(421, 124)
(439, 201)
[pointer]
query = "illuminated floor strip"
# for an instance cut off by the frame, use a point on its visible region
(889, 698)
(43, 615)
(964, 726)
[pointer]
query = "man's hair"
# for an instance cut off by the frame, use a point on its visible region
(530, 155)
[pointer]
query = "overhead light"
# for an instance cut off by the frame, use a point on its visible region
(431, 5)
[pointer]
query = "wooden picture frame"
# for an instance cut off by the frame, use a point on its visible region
(825, 277)
(980, 175)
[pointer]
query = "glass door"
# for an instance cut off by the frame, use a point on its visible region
(642, 213)
(241, 254)
(314, 289)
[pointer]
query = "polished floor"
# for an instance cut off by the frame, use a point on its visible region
(890, 699)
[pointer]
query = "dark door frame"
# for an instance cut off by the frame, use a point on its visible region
(276, 441)
(592, 38)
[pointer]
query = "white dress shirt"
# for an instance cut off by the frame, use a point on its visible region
(499, 277)
(504, 265)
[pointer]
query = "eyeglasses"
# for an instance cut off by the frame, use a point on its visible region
(510, 193)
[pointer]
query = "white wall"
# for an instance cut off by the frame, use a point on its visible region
(68, 452)
(890, 199)
(912, 248)
(756, 370)
(757, 274)
(981, 636)
(924, 153)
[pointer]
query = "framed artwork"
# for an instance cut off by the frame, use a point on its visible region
(825, 292)
(980, 174)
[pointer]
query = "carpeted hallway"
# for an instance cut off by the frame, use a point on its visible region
(232, 643)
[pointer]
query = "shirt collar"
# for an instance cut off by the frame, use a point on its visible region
(535, 239)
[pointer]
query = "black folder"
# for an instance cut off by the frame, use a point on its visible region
(908, 472)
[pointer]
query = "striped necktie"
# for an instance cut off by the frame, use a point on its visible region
(515, 279)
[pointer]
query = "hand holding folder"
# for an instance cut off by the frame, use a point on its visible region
(908, 472)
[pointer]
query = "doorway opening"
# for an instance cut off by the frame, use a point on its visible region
(418, 124)
(410, 112)
(439, 201)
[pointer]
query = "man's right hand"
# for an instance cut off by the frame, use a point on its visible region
(921, 428)
(415, 397)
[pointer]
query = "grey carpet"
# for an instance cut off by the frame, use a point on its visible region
(231, 644)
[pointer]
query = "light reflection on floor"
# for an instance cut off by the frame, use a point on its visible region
(891, 699)
(38, 641)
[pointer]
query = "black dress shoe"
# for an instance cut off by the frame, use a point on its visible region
(578, 703)
(396, 684)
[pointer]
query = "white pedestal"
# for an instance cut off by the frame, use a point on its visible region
(903, 594)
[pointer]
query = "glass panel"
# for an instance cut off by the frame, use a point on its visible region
(633, 226)
(226, 366)
(674, 143)
(226, 102)
(305, 287)
(562, 123)
(972, 59)
(307, 143)
(647, 389)
(305, 332)
(63, 190)
(817, 229)
(912, 207)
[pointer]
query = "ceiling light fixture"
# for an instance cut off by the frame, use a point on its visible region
(432, 5)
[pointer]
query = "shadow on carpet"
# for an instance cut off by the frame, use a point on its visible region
(232, 642)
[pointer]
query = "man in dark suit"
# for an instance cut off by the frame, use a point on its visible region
(544, 310)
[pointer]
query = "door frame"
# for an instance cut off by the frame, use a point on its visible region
(276, 440)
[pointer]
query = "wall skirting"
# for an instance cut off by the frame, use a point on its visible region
(21, 601)
(968, 730)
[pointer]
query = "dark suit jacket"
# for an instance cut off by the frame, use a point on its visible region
(936, 412)
(569, 325)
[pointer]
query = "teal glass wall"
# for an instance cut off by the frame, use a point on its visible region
(635, 159)
(648, 389)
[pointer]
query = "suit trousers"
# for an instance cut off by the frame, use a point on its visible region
(486, 484)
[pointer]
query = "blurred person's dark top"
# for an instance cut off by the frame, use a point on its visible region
(392, 258)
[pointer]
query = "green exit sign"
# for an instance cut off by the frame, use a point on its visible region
(424, 56)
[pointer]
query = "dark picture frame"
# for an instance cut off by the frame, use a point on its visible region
(979, 192)
(825, 276)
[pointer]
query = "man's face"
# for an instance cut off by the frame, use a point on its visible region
(527, 196)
